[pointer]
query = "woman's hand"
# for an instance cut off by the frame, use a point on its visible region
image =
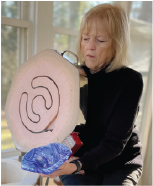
(65, 168)
(75, 158)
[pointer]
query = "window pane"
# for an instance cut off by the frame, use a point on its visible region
(141, 10)
(10, 9)
(61, 42)
(65, 42)
(9, 63)
(68, 14)
(141, 44)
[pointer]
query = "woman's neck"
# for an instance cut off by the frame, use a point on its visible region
(95, 71)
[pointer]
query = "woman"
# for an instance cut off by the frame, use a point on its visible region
(111, 154)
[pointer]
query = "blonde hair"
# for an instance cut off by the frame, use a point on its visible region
(117, 24)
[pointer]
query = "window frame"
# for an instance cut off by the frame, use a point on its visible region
(147, 114)
(146, 120)
(21, 24)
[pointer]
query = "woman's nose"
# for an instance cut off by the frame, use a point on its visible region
(91, 45)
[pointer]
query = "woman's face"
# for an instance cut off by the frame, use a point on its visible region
(96, 45)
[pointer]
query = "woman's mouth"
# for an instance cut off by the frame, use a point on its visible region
(90, 56)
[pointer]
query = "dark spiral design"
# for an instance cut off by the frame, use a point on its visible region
(45, 130)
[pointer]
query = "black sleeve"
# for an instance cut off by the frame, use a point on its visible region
(86, 69)
(120, 127)
(83, 100)
(79, 128)
(83, 106)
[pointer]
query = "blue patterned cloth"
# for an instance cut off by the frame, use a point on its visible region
(45, 159)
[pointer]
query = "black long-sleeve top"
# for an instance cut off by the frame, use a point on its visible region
(110, 137)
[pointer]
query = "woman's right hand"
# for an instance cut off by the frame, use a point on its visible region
(75, 158)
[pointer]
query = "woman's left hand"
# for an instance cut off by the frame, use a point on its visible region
(65, 168)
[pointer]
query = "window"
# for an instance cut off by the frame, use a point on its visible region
(141, 45)
(15, 37)
(9, 63)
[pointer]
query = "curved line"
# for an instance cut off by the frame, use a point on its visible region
(45, 130)
(44, 98)
(42, 87)
(47, 88)
(36, 114)
(32, 107)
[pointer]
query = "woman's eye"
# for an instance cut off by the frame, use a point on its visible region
(100, 41)
(85, 39)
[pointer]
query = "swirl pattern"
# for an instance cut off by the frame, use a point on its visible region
(24, 106)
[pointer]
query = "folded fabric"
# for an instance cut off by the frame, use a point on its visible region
(45, 159)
